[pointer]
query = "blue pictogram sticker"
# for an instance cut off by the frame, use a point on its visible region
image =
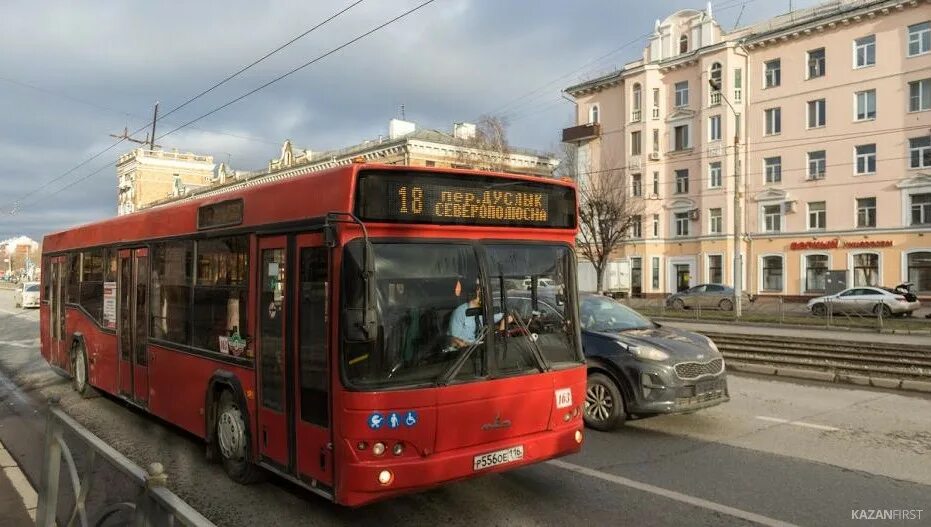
(375, 421)
(394, 420)
(411, 418)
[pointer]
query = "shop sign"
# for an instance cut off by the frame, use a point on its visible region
(834, 244)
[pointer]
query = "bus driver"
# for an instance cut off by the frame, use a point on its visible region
(465, 329)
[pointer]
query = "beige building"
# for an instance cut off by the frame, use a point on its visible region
(831, 109)
(148, 176)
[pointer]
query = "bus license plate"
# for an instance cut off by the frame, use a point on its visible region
(498, 457)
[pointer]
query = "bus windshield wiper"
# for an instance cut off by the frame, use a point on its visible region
(454, 368)
(534, 347)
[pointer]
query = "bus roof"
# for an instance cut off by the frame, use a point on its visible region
(291, 199)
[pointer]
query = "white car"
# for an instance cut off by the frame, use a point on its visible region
(26, 295)
(541, 282)
(864, 300)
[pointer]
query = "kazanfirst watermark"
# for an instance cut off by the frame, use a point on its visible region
(885, 514)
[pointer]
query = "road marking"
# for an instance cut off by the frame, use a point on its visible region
(797, 423)
(671, 494)
(13, 473)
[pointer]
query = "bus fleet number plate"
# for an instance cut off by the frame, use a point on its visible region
(498, 457)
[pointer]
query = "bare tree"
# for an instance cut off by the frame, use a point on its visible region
(488, 149)
(607, 210)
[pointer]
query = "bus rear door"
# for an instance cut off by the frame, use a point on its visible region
(57, 347)
(294, 406)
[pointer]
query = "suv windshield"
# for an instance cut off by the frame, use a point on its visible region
(437, 320)
(604, 314)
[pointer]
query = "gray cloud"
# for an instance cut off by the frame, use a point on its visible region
(454, 60)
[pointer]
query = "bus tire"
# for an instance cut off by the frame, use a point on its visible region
(79, 371)
(232, 441)
(604, 403)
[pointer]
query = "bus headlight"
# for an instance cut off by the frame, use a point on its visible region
(385, 477)
(378, 448)
(398, 449)
(578, 436)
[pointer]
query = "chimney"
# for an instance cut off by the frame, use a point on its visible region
(464, 131)
(398, 128)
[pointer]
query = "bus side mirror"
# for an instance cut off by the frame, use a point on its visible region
(361, 323)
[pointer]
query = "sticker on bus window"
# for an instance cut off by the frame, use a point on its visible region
(563, 398)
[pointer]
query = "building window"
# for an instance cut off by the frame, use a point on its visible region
(919, 95)
(716, 84)
(656, 103)
(635, 143)
(636, 226)
(772, 218)
(921, 209)
(773, 169)
(593, 114)
(816, 164)
(772, 273)
(773, 74)
(656, 225)
(773, 124)
(919, 270)
(636, 103)
(682, 181)
(816, 273)
(866, 105)
(864, 51)
(714, 175)
(816, 63)
(919, 39)
(636, 185)
(682, 224)
(738, 84)
(866, 159)
(656, 184)
(430, 163)
(654, 272)
(817, 215)
(715, 268)
(715, 221)
(714, 128)
(919, 152)
(866, 212)
(681, 137)
(656, 141)
(682, 94)
(865, 269)
(817, 111)
(683, 44)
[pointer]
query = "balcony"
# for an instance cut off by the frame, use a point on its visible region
(715, 99)
(583, 132)
(635, 116)
(738, 95)
(656, 112)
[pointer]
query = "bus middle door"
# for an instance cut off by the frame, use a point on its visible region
(132, 326)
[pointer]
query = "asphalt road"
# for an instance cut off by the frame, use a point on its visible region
(778, 453)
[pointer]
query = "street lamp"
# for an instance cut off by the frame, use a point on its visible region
(738, 257)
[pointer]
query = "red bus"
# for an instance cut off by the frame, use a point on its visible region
(349, 330)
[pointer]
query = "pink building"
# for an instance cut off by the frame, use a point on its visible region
(831, 111)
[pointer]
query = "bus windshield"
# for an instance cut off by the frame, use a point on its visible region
(440, 316)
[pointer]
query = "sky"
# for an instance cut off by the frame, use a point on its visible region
(71, 75)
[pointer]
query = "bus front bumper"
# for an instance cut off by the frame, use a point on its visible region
(360, 482)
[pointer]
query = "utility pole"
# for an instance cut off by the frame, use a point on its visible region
(154, 120)
(738, 257)
(149, 139)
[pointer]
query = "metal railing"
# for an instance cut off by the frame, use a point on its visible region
(153, 504)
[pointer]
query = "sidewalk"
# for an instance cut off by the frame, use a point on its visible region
(17, 497)
(776, 331)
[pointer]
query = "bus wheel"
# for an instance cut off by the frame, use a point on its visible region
(604, 403)
(233, 441)
(79, 369)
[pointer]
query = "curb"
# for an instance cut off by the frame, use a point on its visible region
(26, 492)
(910, 385)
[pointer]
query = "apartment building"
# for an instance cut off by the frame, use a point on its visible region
(830, 112)
(145, 176)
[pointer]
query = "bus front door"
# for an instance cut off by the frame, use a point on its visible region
(132, 329)
(294, 410)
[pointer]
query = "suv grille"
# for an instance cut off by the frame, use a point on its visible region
(694, 370)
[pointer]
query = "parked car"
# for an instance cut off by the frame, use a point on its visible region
(26, 295)
(865, 300)
(705, 296)
(541, 282)
(636, 366)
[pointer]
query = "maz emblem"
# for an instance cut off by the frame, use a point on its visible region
(497, 424)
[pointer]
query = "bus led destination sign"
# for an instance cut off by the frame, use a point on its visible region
(463, 200)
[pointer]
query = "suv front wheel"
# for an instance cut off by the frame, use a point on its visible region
(604, 403)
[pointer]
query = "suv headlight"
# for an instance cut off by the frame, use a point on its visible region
(647, 352)
(712, 345)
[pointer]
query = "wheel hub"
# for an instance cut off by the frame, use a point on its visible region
(231, 434)
(598, 402)
(80, 373)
